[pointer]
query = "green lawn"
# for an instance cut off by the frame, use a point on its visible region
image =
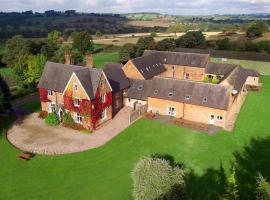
(102, 58)
(262, 67)
(104, 173)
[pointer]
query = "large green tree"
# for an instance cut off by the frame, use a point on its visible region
(144, 43)
(191, 39)
(127, 51)
(167, 44)
(17, 48)
(54, 36)
(257, 29)
(82, 41)
(5, 95)
(155, 178)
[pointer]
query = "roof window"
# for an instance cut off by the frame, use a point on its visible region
(170, 94)
(141, 70)
(204, 100)
(156, 92)
(140, 87)
(187, 97)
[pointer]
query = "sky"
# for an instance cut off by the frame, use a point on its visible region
(175, 7)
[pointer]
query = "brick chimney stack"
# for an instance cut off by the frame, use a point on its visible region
(68, 58)
(89, 60)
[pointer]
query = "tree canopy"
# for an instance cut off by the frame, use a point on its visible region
(127, 52)
(191, 39)
(82, 41)
(143, 44)
(257, 29)
(167, 44)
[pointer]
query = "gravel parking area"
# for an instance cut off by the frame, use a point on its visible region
(31, 134)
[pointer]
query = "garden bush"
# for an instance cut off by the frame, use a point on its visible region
(68, 119)
(42, 114)
(52, 119)
(155, 178)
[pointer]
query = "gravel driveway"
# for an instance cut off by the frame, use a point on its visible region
(31, 134)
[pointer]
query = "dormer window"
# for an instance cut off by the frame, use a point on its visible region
(187, 97)
(50, 93)
(75, 87)
(76, 102)
(170, 94)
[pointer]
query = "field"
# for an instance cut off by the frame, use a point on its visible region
(262, 67)
(104, 173)
(103, 58)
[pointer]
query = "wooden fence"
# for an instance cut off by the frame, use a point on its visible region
(137, 113)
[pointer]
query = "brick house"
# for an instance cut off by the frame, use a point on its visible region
(172, 84)
(85, 92)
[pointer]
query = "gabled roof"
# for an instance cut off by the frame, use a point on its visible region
(195, 93)
(180, 58)
(116, 76)
(56, 76)
(149, 66)
(219, 68)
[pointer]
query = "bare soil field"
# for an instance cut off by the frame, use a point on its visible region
(150, 23)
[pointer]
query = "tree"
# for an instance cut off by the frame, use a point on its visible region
(5, 95)
(52, 119)
(54, 36)
(34, 69)
(155, 178)
(144, 43)
(99, 34)
(82, 41)
(191, 39)
(263, 188)
(257, 29)
(167, 44)
(153, 34)
(16, 48)
(231, 190)
(127, 52)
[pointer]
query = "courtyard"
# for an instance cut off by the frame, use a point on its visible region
(104, 172)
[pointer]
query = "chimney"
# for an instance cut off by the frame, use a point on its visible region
(68, 57)
(89, 60)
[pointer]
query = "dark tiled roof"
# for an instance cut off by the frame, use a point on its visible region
(219, 68)
(149, 66)
(201, 94)
(239, 76)
(116, 76)
(180, 58)
(55, 77)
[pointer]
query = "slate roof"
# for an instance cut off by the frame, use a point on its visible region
(116, 76)
(149, 66)
(55, 77)
(180, 58)
(200, 94)
(219, 68)
(239, 76)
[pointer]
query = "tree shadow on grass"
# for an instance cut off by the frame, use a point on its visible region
(210, 185)
(253, 160)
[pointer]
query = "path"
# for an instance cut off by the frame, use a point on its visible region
(31, 134)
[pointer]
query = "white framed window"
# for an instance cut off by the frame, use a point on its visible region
(50, 93)
(220, 118)
(104, 114)
(51, 107)
(75, 87)
(186, 76)
(103, 98)
(171, 111)
(78, 118)
(76, 102)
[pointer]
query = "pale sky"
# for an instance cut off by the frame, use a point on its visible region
(176, 7)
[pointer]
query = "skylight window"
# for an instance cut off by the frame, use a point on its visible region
(156, 92)
(147, 69)
(187, 97)
(140, 87)
(141, 70)
(170, 94)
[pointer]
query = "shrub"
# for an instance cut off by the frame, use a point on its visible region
(155, 178)
(42, 114)
(263, 188)
(52, 119)
(68, 120)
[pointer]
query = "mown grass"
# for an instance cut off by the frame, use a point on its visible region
(105, 173)
(102, 58)
(262, 67)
